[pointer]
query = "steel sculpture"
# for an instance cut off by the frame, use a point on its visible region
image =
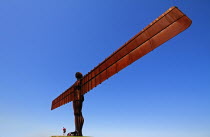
(165, 27)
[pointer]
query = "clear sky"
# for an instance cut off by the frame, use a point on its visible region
(44, 42)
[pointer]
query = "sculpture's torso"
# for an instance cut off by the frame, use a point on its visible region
(77, 92)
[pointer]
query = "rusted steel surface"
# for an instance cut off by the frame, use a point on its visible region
(165, 27)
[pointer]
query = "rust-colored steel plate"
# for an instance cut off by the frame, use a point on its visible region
(165, 27)
(65, 97)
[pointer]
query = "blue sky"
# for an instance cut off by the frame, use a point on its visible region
(44, 42)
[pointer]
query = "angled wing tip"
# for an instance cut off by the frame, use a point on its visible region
(52, 106)
(187, 22)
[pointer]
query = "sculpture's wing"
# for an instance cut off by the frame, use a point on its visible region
(65, 97)
(165, 27)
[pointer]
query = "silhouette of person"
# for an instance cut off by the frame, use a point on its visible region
(64, 130)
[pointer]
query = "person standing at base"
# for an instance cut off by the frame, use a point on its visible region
(64, 131)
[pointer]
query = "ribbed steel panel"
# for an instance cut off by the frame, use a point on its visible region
(165, 27)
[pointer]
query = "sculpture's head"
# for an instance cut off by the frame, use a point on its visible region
(78, 75)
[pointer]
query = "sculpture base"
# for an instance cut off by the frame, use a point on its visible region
(70, 136)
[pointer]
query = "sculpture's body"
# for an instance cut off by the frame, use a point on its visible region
(77, 106)
(165, 27)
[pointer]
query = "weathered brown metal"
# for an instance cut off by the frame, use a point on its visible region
(165, 27)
